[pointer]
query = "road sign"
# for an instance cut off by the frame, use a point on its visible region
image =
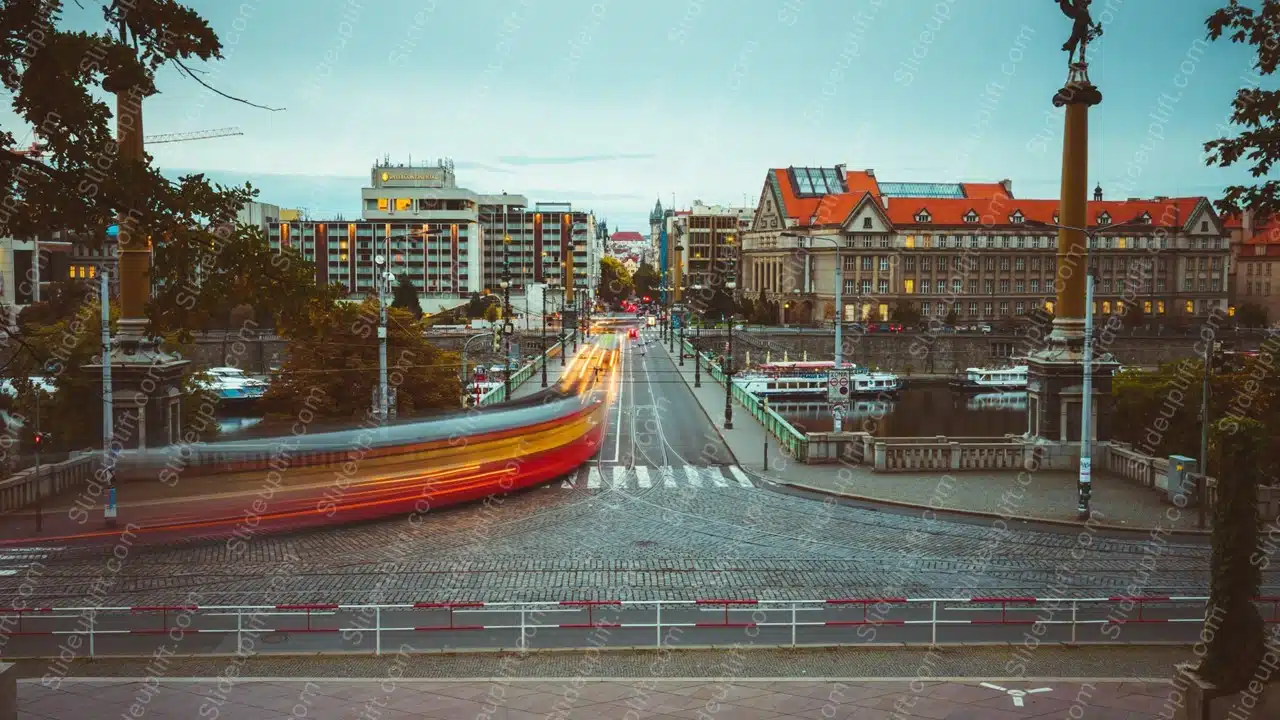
(838, 386)
(840, 410)
(675, 322)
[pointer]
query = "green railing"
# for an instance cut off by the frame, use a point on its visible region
(793, 441)
(499, 394)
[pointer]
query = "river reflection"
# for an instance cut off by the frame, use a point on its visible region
(919, 412)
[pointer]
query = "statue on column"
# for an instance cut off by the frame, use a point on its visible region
(1082, 31)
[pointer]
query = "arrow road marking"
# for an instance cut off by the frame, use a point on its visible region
(1016, 695)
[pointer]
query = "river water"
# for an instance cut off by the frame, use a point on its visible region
(922, 411)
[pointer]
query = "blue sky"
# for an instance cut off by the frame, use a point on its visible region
(614, 103)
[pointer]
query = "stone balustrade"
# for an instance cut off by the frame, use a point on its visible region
(24, 488)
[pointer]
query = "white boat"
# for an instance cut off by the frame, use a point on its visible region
(997, 401)
(45, 384)
(231, 384)
(809, 379)
(1008, 378)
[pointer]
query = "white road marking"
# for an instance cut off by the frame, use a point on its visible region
(740, 476)
(669, 477)
(593, 477)
(717, 478)
(691, 474)
(642, 476)
(619, 477)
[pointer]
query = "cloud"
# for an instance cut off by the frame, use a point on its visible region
(525, 160)
(577, 195)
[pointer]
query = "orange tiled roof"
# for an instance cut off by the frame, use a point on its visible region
(983, 191)
(1269, 234)
(998, 210)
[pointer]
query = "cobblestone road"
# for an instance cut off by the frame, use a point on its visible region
(654, 542)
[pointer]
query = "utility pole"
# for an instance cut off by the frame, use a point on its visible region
(108, 415)
(564, 350)
(39, 440)
(838, 418)
(1086, 430)
(506, 317)
(544, 334)
(697, 355)
(1204, 436)
(381, 280)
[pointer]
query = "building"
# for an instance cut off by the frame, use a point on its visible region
(448, 240)
(1255, 264)
(971, 249)
(709, 236)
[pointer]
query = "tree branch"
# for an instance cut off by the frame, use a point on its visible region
(191, 74)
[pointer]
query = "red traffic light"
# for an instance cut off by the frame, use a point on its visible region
(646, 298)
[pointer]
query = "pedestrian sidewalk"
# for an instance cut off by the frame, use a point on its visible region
(533, 385)
(1049, 496)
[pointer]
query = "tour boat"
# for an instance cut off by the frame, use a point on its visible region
(997, 401)
(231, 384)
(1008, 378)
(809, 379)
(858, 409)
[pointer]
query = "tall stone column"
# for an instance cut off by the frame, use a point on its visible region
(1055, 387)
(146, 397)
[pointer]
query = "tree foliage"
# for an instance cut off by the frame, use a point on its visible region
(904, 313)
(615, 281)
(406, 296)
(646, 280)
(332, 366)
(61, 83)
(1238, 637)
(1251, 315)
(1255, 110)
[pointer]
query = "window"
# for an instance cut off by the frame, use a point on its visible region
(909, 263)
(988, 309)
(1188, 284)
(849, 288)
(1214, 284)
(1035, 263)
(1020, 264)
(383, 203)
(884, 262)
(1004, 263)
(403, 204)
(926, 264)
(1159, 307)
(991, 264)
(866, 262)
(866, 223)
(884, 241)
(1190, 308)
(1159, 284)
(910, 241)
(1016, 218)
(973, 308)
(1103, 218)
(1004, 286)
(957, 286)
(925, 287)
(1019, 287)
(971, 217)
(866, 287)
(923, 216)
(1035, 286)
(989, 287)
(973, 287)
(884, 287)
(1022, 242)
(1019, 308)
(957, 263)
(909, 286)
(973, 241)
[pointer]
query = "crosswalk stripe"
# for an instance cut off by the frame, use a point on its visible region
(740, 476)
(668, 477)
(642, 476)
(691, 474)
(716, 478)
(593, 477)
(619, 477)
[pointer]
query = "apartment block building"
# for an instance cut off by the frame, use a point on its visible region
(972, 249)
(449, 241)
(1255, 266)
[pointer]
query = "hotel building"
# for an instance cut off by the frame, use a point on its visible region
(971, 249)
(1255, 264)
(448, 240)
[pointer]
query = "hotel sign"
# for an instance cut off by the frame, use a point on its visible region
(403, 177)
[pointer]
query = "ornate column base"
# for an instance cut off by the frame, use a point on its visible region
(146, 389)
(1055, 399)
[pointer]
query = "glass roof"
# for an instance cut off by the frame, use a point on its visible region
(921, 190)
(818, 181)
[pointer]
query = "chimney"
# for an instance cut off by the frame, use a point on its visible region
(1246, 225)
(1097, 193)
(1007, 184)
(871, 173)
(884, 200)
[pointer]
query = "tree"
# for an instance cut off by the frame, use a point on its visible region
(1237, 643)
(60, 82)
(1134, 317)
(951, 318)
(406, 296)
(332, 365)
(1251, 315)
(904, 313)
(493, 313)
(646, 280)
(615, 281)
(721, 304)
(1255, 110)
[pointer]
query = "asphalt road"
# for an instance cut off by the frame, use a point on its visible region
(627, 536)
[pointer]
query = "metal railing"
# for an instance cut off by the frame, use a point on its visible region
(458, 625)
(793, 442)
(499, 393)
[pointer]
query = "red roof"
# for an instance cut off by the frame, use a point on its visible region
(990, 202)
(626, 236)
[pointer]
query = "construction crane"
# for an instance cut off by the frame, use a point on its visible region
(38, 150)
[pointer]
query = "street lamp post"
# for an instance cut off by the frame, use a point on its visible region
(544, 333)
(382, 337)
(564, 350)
(1084, 486)
(838, 419)
(728, 369)
(506, 317)
(697, 349)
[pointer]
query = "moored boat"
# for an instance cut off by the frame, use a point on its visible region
(796, 380)
(1007, 378)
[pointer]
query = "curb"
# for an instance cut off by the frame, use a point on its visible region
(719, 430)
(982, 514)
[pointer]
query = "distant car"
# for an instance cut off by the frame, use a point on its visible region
(633, 333)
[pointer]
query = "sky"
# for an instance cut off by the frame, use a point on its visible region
(614, 104)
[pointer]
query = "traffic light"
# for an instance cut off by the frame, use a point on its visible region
(37, 440)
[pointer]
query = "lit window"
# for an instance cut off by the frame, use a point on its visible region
(908, 286)
(71, 272)
(911, 241)
(1190, 307)
(1146, 306)
(382, 204)
(404, 204)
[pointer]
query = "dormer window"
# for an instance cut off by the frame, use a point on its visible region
(1055, 217)
(971, 217)
(1145, 218)
(923, 216)
(1104, 218)
(1016, 218)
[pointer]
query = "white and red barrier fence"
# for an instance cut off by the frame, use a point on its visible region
(638, 623)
